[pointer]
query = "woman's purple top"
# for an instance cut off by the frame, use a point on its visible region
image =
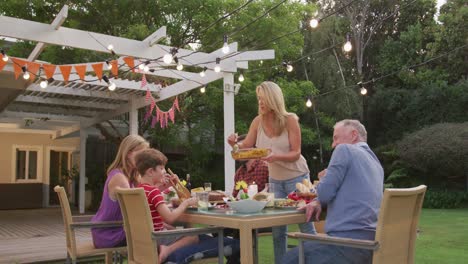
(109, 210)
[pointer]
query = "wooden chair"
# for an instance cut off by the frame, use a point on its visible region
(141, 239)
(396, 228)
(75, 249)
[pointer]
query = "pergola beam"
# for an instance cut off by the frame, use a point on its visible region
(64, 102)
(32, 115)
(78, 92)
(156, 36)
(58, 21)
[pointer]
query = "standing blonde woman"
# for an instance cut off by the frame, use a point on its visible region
(276, 129)
(121, 173)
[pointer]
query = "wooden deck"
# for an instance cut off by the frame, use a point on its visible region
(35, 235)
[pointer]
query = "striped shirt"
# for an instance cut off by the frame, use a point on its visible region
(155, 198)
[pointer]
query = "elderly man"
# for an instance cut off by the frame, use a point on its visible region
(351, 188)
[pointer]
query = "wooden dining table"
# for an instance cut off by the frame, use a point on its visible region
(245, 223)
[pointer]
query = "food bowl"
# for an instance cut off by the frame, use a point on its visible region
(247, 206)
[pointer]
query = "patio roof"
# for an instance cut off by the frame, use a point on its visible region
(63, 108)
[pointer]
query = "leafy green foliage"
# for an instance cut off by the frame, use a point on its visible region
(444, 199)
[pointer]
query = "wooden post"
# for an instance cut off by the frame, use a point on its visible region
(133, 118)
(229, 164)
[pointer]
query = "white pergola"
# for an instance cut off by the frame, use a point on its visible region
(63, 108)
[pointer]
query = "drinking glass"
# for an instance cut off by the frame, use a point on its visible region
(207, 186)
(203, 202)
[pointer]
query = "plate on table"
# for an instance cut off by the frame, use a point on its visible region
(286, 204)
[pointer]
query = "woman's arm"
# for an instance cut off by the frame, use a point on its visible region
(171, 216)
(294, 136)
(119, 180)
(251, 137)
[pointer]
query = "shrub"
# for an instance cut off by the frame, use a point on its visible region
(444, 199)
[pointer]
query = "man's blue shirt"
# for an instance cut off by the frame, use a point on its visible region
(352, 189)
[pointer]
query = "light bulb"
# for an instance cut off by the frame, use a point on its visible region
(5, 57)
(141, 66)
(110, 47)
(309, 103)
(202, 73)
(313, 23)
(347, 46)
(203, 89)
(289, 68)
(112, 86)
(217, 68)
(146, 68)
(26, 76)
(241, 77)
(43, 84)
(167, 58)
(225, 48)
(363, 91)
(180, 67)
(109, 66)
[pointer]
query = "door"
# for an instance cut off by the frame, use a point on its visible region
(60, 174)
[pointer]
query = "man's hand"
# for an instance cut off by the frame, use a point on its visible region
(312, 208)
(322, 174)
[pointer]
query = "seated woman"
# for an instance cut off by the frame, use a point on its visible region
(121, 173)
(183, 249)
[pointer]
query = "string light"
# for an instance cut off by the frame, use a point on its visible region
(110, 47)
(288, 66)
(146, 68)
(363, 91)
(347, 47)
(202, 89)
(241, 77)
(109, 66)
(314, 23)
(111, 86)
(44, 83)
(5, 57)
(141, 66)
(202, 73)
(25, 73)
(217, 68)
(309, 102)
(179, 66)
(225, 46)
(167, 58)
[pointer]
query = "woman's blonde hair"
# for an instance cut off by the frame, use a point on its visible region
(274, 100)
(128, 144)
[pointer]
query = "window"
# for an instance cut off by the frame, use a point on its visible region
(27, 163)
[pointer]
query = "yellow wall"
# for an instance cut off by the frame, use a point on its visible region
(8, 140)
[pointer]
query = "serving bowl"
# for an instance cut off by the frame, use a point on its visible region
(247, 206)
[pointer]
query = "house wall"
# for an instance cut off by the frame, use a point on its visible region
(28, 194)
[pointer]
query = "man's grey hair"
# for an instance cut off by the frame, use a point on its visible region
(356, 125)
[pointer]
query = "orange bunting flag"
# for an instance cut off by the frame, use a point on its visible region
(33, 68)
(130, 62)
(17, 64)
(81, 71)
(65, 69)
(2, 63)
(115, 68)
(98, 69)
(49, 70)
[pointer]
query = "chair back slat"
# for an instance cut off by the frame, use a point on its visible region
(138, 226)
(397, 224)
(67, 218)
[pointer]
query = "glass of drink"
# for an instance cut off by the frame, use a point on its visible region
(207, 186)
(269, 188)
(203, 202)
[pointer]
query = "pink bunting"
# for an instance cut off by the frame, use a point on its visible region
(158, 113)
(153, 122)
(176, 103)
(171, 114)
(153, 103)
(143, 81)
(148, 94)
